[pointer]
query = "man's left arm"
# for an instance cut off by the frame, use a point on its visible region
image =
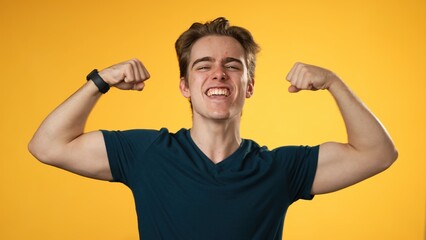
(369, 149)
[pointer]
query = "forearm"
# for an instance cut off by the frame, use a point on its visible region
(65, 123)
(365, 132)
(369, 149)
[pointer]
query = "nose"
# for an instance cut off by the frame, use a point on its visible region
(220, 74)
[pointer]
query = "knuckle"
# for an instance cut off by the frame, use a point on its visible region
(133, 61)
(308, 74)
(128, 66)
(303, 67)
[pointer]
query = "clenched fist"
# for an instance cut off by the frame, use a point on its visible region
(308, 77)
(128, 75)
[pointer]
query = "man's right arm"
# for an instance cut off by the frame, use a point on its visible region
(61, 141)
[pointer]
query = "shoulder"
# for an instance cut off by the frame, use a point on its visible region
(135, 133)
(138, 136)
(289, 151)
(284, 155)
(297, 152)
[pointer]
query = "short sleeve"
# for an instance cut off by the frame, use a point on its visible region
(299, 164)
(124, 148)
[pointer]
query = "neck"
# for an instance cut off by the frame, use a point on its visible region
(217, 139)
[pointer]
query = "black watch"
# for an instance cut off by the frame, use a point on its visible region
(98, 81)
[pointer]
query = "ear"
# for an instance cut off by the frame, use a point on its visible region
(184, 88)
(250, 88)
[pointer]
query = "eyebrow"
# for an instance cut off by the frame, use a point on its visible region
(231, 59)
(203, 59)
(210, 59)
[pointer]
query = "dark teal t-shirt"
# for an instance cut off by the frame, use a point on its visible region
(180, 194)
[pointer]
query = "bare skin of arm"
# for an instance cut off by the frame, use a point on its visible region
(369, 149)
(61, 141)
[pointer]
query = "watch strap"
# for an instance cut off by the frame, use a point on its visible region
(98, 81)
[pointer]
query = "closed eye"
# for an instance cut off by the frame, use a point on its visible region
(202, 63)
(233, 67)
(202, 68)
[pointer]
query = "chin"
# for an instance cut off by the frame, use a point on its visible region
(220, 116)
(224, 115)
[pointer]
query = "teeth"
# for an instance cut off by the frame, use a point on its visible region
(218, 92)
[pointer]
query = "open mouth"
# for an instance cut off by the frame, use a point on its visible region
(212, 92)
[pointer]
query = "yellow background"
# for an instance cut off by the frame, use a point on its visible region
(48, 47)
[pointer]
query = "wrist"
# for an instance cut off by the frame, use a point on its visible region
(334, 82)
(94, 76)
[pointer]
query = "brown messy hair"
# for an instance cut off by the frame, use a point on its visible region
(220, 26)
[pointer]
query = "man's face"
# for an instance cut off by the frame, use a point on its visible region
(217, 81)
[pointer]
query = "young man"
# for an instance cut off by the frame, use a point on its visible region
(208, 182)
